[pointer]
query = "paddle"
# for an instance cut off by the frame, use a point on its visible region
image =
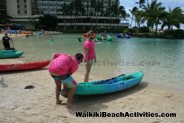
(11, 40)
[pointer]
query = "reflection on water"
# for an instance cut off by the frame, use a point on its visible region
(161, 60)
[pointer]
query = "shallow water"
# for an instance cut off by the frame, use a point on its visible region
(162, 60)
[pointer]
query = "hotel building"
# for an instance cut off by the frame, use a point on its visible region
(72, 14)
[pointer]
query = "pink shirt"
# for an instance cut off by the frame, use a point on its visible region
(90, 45)
(63, 64)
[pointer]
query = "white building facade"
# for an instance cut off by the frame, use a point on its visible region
(72, 14)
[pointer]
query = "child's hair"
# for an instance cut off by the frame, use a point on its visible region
(79, 56)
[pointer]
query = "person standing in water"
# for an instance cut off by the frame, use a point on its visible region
(6, 42)
(51, 39)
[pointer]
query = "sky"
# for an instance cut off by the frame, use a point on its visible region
(129, 4)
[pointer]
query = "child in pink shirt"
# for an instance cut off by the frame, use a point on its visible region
(61, 68)
(89, 54)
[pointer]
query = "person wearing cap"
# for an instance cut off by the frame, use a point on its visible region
(89, 53)
(6, 42)
(61, 68)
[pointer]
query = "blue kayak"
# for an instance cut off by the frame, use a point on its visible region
(115, 84)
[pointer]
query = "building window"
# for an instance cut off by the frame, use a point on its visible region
(18, 11)
(18, 6)
(25, 1)
(25, 6)
(25, 11)
(17, 1)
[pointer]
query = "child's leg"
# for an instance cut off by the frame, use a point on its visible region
(88, 69)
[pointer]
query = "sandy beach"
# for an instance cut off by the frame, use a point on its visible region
(37, 105)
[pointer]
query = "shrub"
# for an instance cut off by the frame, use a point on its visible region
(134, 30)
(144, 29)
(178, 33)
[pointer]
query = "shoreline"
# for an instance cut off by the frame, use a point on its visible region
(38, 104)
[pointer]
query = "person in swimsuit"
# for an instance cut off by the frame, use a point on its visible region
(89, 53)
(61, 68)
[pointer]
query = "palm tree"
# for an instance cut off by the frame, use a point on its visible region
(122, 12)
(49, 21)
(141, 3)
(139, 19)
(153, 13)
(173, 18)
(5, 19)
(133, 12)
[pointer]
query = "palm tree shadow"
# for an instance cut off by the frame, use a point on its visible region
(96, 103)
(2, 82)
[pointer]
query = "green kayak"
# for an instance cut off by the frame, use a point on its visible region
(10, 54)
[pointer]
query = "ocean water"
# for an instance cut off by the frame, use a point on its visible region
(161, 60)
